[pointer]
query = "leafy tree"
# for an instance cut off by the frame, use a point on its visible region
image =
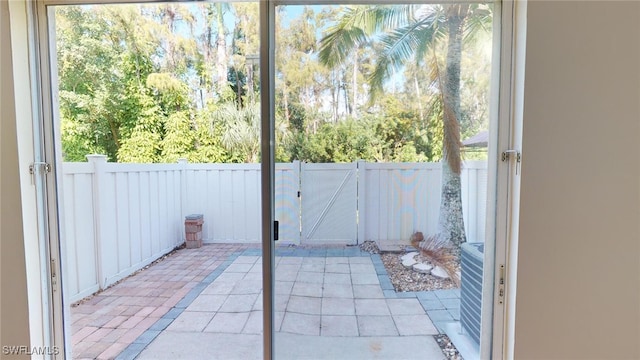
(141, 83)
(178, 139)
(245, 53)
(221, 45)
(142, 146)
(296, 70)
(405, 136)
(84, 88)
(207, 143)
(126, 83)
(142, 143)
(345, 141)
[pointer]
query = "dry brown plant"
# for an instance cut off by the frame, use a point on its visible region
(438, 252)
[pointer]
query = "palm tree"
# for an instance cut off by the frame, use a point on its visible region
(215, 42)
(241, 129)
(412, 33)
(221, 46)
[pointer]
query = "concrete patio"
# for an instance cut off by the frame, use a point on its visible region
(206, 303)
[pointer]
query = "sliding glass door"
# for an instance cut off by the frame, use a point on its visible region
(364, 184)
(386, 129)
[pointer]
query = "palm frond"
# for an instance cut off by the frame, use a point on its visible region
(388, 17)
(336, 46)
(432, 32)
(408, 42)
(399, 46)
(357, 26)
(480, 20)
(241, 129)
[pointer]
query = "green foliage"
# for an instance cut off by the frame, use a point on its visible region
(75, 145)
(124, 75)
(343, 142)
(403, 133)
(179, 138)
(207, 145)
(435, 129)
(143, 146)
(143, 83)
(241, 130)
(171, 93)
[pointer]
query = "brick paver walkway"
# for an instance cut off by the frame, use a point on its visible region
(326, 293)
(105, 325)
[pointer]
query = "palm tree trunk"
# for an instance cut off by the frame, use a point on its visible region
(354, 83)
(285, 97)
(345, 88)
(418, 97)
(221, 51)
(451, 220)
(335, 96)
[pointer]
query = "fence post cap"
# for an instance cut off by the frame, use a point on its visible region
(194, 217)
(96, 157)
(182, 161)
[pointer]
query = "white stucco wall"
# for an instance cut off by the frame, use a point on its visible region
(578, 293)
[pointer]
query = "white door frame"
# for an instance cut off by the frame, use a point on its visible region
(507, 134)
(512, 58)
(267, 174)
(45, 133)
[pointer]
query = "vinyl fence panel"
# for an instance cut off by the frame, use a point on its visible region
(125, 210)
(474, 199)
(79, 248)
(120, 217)
(399, 199)
(228, 195)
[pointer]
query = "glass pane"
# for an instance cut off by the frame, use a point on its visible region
(382, 118)
(168, 96)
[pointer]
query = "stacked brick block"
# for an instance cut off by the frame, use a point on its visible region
(193, 230)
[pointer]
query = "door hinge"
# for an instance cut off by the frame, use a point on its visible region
(39, 167)
(501, 285)
(506, 156)
(54, 278)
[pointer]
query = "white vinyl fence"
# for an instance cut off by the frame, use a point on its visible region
(402, 198)
(118, 218)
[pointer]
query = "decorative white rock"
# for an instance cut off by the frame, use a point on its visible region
(422, 268)
(410, 256)
(408, 263)
(439, 272)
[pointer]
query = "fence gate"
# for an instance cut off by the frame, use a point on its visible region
(329, 203)
(287, 202)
